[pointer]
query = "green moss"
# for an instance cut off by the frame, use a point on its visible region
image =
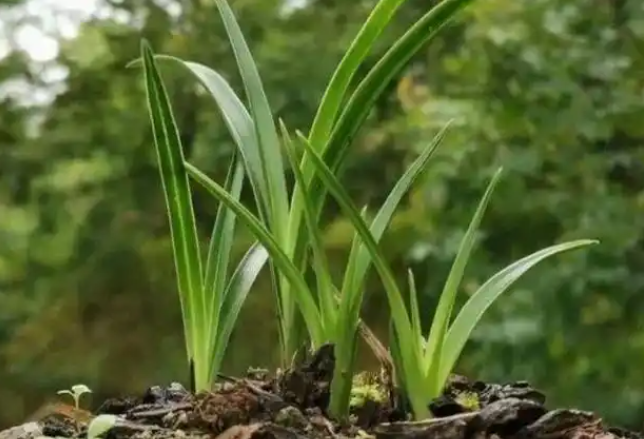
(469, 400)
(366, 387)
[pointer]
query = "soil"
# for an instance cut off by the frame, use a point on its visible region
(291, 405)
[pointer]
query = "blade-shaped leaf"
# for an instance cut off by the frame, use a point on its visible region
(361, 102)
(371, 88)
(447, 298)
(221, 238)
(356, 269)
(321, 265)
(267, 137)
(334, 96)
(271, 160)
(414, 309)
(387, 68)
(217, 262)
(473, 310)
(386, 212)
(176, 188)
(396, 304)
(238, 288)
(303, 294)
(335, 92)
(239, 124)
(334, 186)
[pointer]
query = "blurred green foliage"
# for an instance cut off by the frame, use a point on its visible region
(551, 89)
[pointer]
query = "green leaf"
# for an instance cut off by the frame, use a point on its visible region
(416, 325)
(360, 104)
(325, 285)
(239, 123)
(355, 272)
(335, 92)
(222, 236)
(303, 294)
(265, 131)
(176, 189)
(334, 96)
(274, 188)
(399, 315)
(235, 294)
(387, 68)
(481, 300)
(218, 260)
(447, 298)
(100, 424)
(383, 218)
(373, 85)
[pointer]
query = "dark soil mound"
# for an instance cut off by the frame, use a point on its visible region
(291, 406)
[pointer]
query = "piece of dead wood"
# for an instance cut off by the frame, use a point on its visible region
(159, 412)
(450, 427)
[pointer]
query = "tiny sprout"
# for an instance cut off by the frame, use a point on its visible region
(100, 425)
(76, 392)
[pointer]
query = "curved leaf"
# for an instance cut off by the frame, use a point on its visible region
(344, 72)
(371, 88)
(269, 147)
(384, 215)
(473, 310)
(176, 188)
(325, 285)
(411, 361)
(303, 294)
(238, 288)
(443, 313)
(239, 123)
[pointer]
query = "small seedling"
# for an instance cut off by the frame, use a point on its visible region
(75, 392)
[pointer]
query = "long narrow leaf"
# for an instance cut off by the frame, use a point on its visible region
(238, 288)
(387, 68)
(473, 310)
(332, 99)
(371, 88)
(394, 296)
(176, 188)
(218, 261)
(303, 294)
(356, 269)
(443, 313)
(358, 107)
(267, 137)
(335, 92)
(386, 212)
(323, 274)
(237, 120)
(414, 309)
(222, 236)
(271, 160)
